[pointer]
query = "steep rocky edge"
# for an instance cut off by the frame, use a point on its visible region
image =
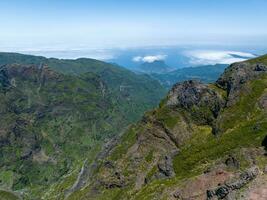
(205, 141)
(54, 123)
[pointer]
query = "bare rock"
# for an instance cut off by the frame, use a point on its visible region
(165, 167)
(195, 96)
(224, 190)
(115, 181)
(177, 194)
(232, 162)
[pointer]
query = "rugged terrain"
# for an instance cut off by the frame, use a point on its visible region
(204, 141)
(56, 114)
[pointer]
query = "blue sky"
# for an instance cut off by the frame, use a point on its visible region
(58, 24)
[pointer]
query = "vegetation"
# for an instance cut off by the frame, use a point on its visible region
(5, 195)
(261, 59)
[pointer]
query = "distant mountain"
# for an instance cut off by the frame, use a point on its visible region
(206, 74)
(56, 114)
(157, 67)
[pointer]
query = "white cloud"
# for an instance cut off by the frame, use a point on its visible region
(137, 59)
(217, 57)
(149, 59)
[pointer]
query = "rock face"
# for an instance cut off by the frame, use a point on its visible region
(189, 94)
(223, 191)
(165, 167)
(235, 77)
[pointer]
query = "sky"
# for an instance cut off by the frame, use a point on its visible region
(77, 24)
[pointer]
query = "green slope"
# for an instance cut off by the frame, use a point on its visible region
(52, 122)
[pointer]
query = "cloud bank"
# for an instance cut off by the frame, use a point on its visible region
(149, 59)
(99, 54)
(217, 57)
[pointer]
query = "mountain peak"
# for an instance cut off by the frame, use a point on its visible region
(158, 67)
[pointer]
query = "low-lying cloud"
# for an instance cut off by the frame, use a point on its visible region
(149, 59)
(217, 57)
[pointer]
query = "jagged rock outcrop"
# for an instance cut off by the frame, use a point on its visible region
(235, 77)
(165, 167)
(194, 93)
(197, 98)
(232, 162)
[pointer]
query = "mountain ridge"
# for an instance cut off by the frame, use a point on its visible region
(210, 136)
(205, 73)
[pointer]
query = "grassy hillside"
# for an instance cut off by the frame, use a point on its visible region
(205, 141)
(260, 60)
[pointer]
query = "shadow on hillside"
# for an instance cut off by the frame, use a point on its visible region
(264, 144)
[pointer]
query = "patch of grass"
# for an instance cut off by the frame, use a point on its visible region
(4, 195)
(246, 108)
(262, 161)
(167, 117)
(220, 91)
(6, 179)
(261, 59)
(154, 190)
(163, 102)
(152, 172)
(204, 148)
(126, 141)
(149, 156)
(57, 190)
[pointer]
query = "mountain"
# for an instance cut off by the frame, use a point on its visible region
(206, 74)
(158, 67)
(56, 114)
(204, 141)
